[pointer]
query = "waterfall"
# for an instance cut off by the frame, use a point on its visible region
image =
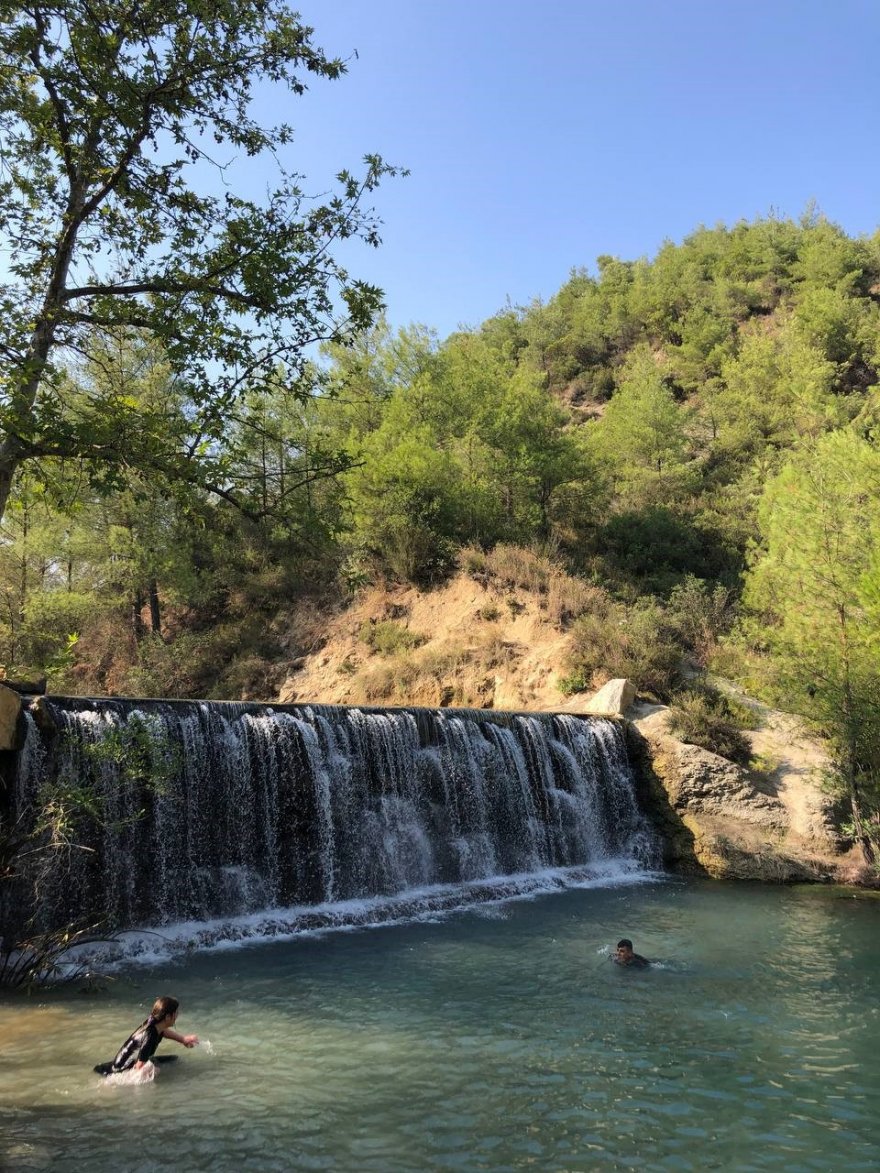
(211, 810)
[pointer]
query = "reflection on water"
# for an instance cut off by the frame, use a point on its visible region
(494, 1041)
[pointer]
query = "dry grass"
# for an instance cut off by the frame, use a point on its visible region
(562, 596)
(569, 598)
(449, 674)
(518, 566)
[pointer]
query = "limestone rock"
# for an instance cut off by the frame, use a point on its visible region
(705, 783)
(717, 818)
(10, 708)
(42, 716)
(612, 699)
(726, 853)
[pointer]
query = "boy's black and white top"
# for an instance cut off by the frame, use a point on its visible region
(138, 1047)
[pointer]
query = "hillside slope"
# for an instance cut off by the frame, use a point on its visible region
(464, 643)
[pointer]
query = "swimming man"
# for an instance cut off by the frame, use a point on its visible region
(624, 955)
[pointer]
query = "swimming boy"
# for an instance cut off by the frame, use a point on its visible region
(624, 955)
(140, 1045)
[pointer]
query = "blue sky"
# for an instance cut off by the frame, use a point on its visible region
(541, 135)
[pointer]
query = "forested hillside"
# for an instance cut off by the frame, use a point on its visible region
(690, 444)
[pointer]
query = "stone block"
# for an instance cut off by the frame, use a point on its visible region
(612, 699)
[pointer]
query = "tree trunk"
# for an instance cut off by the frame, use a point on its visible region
(155, 612)
(137, 620)
(23, 568)
(545, 493)
(8, 467)
(28, 376)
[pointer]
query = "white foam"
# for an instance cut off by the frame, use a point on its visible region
(427, 905)
(133, 1077)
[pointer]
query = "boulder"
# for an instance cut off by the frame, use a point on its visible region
(612, 699)
(43, 716)
(10, 709)
(703, 783)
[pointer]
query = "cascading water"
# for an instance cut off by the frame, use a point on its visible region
(239, 809)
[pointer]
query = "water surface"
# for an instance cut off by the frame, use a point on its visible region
(500, 1038)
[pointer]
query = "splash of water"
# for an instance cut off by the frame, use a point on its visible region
(134, 1077)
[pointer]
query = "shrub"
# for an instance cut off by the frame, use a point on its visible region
(563, 596)
(516, 566)
(50, 619)
(412, 551)
(248, 677)
(702, 716)
(618, 642)
(655, 548)
(443, 662)
(493, 652)
(701, 614)
(568, 598)
(177, 668)
(472, 561)
(232, 660)
(356, 571)
(568, 685)
(388, 637)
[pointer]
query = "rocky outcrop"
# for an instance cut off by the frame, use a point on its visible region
(703, 783)
(719, 819)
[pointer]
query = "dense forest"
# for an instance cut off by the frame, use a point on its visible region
(694, 436)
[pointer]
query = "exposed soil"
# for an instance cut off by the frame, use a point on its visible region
(496, 649)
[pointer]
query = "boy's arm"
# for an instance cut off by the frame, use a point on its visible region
(185, 1040)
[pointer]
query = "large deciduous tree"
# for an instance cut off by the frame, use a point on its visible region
(121, 126)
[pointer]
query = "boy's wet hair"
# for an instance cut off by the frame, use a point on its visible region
(624, 943)
(164, 1007)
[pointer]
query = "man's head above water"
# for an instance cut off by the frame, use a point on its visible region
(624, 954)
